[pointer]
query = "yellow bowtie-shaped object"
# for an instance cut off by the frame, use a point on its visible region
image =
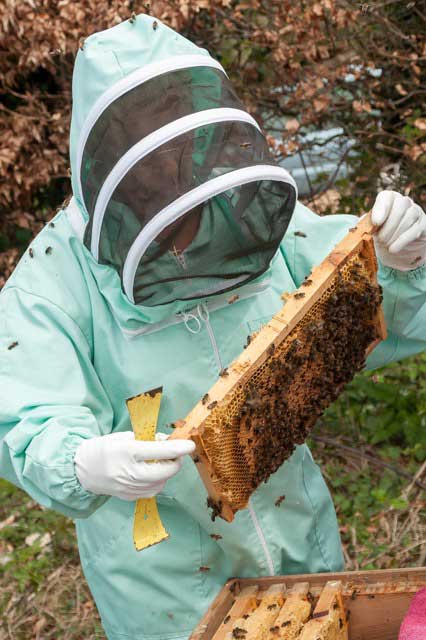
(147, 527)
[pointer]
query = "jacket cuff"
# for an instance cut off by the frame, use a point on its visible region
(419, 273)
(86, 501)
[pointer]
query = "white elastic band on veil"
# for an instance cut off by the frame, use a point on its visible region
(189, 201)
(147, 145)
(128, 83)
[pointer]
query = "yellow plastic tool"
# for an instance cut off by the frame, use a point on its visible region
(147, 528)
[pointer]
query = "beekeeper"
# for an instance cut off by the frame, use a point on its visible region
(177, 205)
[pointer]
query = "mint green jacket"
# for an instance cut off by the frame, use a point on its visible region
(83, 348)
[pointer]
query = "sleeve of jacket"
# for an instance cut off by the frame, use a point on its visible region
(404, 293)
(49, 396)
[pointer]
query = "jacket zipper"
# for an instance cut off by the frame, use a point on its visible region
(262, 539)
(248, 291)
(203, 314)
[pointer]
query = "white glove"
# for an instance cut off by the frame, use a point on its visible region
(401, 240)
(118, 465)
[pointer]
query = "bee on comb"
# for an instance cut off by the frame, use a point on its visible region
(289, 373)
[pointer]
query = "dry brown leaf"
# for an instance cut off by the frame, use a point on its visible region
(292, 125)
(420, 123)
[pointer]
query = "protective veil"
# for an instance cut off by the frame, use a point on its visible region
(81, 346)
(169, 151)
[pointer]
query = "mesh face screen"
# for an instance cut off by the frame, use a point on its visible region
(143, 110)
(171, 171)
(158, 143)
(233, 236)
(256, 426)
(230, 246)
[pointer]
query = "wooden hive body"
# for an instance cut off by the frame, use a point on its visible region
(270, 397)
(350, 605)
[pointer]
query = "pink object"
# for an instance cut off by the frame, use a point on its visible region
(414, 624)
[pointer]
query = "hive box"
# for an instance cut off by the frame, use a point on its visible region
(375, 601)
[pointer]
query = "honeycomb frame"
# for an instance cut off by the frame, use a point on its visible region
(209, 425)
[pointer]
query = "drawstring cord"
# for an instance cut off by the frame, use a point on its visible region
(188, 318)
(201, 315)
(193, 321)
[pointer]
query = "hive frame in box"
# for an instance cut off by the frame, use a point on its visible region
(375, 601)
(358, 241)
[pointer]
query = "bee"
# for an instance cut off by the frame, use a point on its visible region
(216, 536)
(196, 459)
(205, 398)
(279, 501)
(352, 229)
(204, 569)
(307, 282)
(247, 341)
(233, 587)
(31, 252)
(274, 629)
(216, 508)
(270, 607)
(299, 295)
(81, 44)
(13, 345)
(319, 614)
(52, 224)
(286, 623)
(233, 299)
(212, 405)
(48, 251)
(300, 234)
(132, 18)
(246, 615)
(226, 619)
(245, 145)
(224, 372)
(271, 349)
(155, 25)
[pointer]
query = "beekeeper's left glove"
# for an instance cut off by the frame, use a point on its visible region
(401, 240)
(118, 465)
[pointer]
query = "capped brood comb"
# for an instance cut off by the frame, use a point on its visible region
(293, 368)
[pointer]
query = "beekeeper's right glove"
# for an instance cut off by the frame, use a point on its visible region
(118, 465)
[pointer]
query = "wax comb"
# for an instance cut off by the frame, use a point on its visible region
(271, 396)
